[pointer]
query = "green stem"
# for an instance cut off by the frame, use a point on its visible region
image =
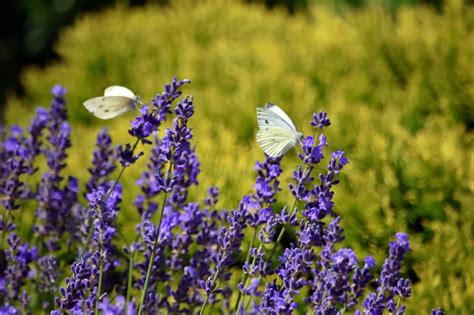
(248, 302)
(152, 257)
(282, 231)
(292, 211)
(247, 280)
(101, 261)
(30, 231)
(245, 277)
(203, 307)
(116, 181)
(280, 235)
(254, 235)
(101, 245)
(214, 278)
(131, 261)
(101, 276)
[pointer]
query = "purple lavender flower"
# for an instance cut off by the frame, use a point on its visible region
(229, 241)
(274, 301)
(301, 178)
(172, 169)
(152, 251)
(361, 279)
(145, 124)
(104, 204)
(338, 161)
(312, 154)
(184, 260)
(148, 122)
(437, 311)
(120, 307)
(186, 165)
(37, 126)
(19, 258)
(18, 153)
(261, 215)
(311, 234)
(127, 155)
(332, 275)
(390, 284)
(103, 162)
(201, 227)
(319, 201)
(259, 212)
(81, 288)
(266, 187)
(15, 157)
(212, 198)
(54, 202)
(320, 120)
(174, 149)
(162, 102)
(295, 266)
(252, 289)
(8, 310)
(48, 279)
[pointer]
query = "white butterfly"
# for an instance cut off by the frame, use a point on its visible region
(117, 100)
(277, 134)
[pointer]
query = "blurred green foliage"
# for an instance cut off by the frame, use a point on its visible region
(398, 87)
(29, 28)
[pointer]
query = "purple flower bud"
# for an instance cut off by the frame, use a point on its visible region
(127, 155)
(312, 154)
(437, 311)
(9, 310)
(19, 258)
(212, 197)
(144, 125)
(369, 262)
(301, 178)
(103, 162)
(320, 120)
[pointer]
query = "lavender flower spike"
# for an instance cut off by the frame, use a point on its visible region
(55, 202)
(390, 284)
(103, 162)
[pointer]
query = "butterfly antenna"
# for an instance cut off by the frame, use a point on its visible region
(138, 103)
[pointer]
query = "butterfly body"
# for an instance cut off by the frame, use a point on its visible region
(277, 134)
(116, 101)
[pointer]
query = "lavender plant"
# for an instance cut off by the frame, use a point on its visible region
(187, 256)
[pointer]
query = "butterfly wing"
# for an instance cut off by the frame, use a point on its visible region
(107, 107)
(116, 90)
(273, 116)
(276, 141)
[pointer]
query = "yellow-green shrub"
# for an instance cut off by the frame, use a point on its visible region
(399, 91)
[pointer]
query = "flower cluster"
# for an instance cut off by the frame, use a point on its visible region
(14, 155)
(55, 198)
(184, 254)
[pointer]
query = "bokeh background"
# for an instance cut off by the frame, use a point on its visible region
(396, 78)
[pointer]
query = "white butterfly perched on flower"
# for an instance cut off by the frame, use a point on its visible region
(277, 134)
(117, 100)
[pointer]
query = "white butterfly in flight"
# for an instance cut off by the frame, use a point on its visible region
(277, 134)
(117, 100)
